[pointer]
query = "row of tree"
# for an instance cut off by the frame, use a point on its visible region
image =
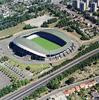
(50, 21)
(14, 86)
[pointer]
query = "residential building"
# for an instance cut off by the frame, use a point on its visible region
(76, 4)
(93, 7)
(82, 6)
(87, 3)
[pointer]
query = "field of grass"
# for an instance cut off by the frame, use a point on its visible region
(48, 45)
(12, 30)
(35, 68)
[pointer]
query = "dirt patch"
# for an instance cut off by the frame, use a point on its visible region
(38, 21)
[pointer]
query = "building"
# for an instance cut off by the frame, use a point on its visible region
(97, 1)
(82, 6)
(58, 96)
(87, 3)
(79, 87)
(76, 4)
(95, 95)
(93, 7)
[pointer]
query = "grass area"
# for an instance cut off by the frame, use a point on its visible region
(12, 30)
(35, 68)
(48, 45)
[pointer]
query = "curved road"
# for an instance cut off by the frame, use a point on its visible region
(25, 91)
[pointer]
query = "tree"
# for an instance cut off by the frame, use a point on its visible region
(28, 68)
(44, 24)
(53, 84)
(27, 27)
(70, 80)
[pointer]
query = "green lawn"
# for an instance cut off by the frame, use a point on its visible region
(48, 45)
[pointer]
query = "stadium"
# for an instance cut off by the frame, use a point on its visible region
(43, 45)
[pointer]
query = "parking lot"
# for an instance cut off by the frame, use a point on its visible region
(4, 80)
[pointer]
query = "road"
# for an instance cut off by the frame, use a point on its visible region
(68, 87)
(25, 91)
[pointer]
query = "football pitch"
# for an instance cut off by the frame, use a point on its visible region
(46, 44)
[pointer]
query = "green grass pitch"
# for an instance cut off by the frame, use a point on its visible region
(46, 44)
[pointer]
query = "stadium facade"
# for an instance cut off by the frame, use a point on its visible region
(23, 45)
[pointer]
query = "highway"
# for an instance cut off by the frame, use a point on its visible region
(25, 91)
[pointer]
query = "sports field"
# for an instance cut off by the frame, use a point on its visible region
(46, 44)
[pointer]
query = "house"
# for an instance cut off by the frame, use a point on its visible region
(77, 88)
